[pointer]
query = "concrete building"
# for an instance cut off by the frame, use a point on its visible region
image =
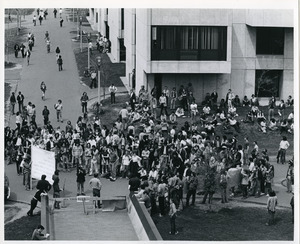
(250, 51)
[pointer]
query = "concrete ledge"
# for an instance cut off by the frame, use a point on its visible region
(141, 220)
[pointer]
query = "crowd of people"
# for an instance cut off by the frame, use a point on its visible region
(169, 147)
(163, 162)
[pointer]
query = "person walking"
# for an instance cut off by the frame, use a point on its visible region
(37, 234)
(96, 185)
(271, 206)
(80, 180)
(59, 107)
(12, 101)
(84, 99)
(55, 12)
(172, 215)
(41, 19)
(61, 21)
(43, 187)
(20, 99)
(57, 51)
(28, 53)
(113, 161)
(56, 188)
(43, 89)
(60, 63)
(112, 89)
(34, 20)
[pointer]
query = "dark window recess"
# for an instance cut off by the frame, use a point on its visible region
(188, 43)
(122, 50)
(267, 82)
(269, 40)
(122, 18)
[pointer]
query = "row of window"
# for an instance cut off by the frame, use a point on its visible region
(207, 42)
(188, 43)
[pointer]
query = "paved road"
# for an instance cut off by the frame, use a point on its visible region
(63, 85)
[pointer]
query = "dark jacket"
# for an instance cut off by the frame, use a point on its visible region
(80, 175)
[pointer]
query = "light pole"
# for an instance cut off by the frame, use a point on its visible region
(98, 61)
(77, 23)
(80, 20)
(88, 55)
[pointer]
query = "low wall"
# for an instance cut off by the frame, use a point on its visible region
(141, 220)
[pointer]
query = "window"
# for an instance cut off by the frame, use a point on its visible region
(122, 18)
(269, 40)
(188, 43)
(267, 82)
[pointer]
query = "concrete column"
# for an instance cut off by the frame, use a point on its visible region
(45, 218)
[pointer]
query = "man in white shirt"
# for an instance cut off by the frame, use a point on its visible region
(112, 89)
(58, 107)
(124, 116)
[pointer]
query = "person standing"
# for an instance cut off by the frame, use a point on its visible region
(96, 185)
(45, 114)
(112, 89)
(58, 107)
(12, 101)
(132, 99)
(272, 105)
(37, 234)
(173, 98)
(17, 49)
(271, 206)
(43, 89)
(124, 117)
(26, 173)
(283, 146)
(55, 12)
(161, 191)
(192, 188)
(113, 161)
(80, 180)
(20, 99)
(60, 63)
(163, 104)
(22, 49)
(84, 99)
(56, 188)
(43, 187)
(290, 176)
(172, 214)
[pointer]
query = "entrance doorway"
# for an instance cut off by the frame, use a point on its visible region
(158, 84)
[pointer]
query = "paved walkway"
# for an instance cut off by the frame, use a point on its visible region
(100, 226)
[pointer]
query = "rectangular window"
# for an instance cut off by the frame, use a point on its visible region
(269, 40)
(267, 82)
(188, 43)
(122, 18)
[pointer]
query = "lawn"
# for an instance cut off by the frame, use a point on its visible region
(21, 229)
(236, 224)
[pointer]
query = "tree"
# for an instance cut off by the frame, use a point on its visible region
(266, 83)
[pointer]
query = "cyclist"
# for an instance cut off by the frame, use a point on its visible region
(43, 88)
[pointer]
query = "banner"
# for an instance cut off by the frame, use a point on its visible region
(43, 163)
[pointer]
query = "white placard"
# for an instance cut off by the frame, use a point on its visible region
(43, 163)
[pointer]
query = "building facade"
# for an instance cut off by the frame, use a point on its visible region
(249, 51)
